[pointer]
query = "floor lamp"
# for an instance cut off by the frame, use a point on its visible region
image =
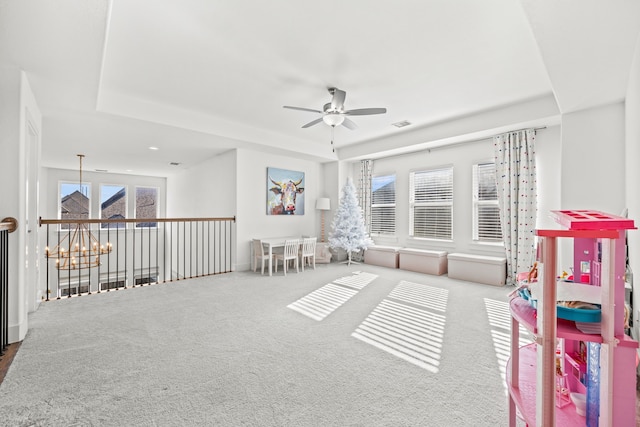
(323, 204)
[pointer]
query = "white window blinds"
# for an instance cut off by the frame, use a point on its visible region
(486, 213)
(383, 205)
(431, 203)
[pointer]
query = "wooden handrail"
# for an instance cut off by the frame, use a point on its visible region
(9, 224)
(181, 248)
(128, 220)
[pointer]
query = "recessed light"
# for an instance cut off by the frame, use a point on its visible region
(401, 124)
(153, 148)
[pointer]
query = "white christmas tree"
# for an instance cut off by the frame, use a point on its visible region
(348, 231)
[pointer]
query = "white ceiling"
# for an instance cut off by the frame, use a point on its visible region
(198, 77)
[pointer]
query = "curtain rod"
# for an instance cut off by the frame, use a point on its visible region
(454, 144)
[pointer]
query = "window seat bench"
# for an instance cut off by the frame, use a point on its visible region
(384, 256)
(423, 261)
(489, 270)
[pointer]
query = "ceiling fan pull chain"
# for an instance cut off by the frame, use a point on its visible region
(333, 148)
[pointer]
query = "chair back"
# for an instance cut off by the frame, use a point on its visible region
(258, 247)
(309, 246)
(291, 248)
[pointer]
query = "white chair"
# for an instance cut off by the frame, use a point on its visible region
(290, 253)
(260, 253)
(308, 253)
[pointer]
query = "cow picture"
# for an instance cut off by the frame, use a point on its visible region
(285, 192)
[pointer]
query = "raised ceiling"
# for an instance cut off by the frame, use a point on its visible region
(198, 77)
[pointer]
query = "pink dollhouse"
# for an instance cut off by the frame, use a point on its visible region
(581, 370)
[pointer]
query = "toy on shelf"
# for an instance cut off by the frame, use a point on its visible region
(562, 385)
(533, 273)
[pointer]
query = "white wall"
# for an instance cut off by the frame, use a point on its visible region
(632, 176)
(593, 177)
(19, 165)
(205, 190)
(331, 190)
(593, 158)
(462, 157)
(30, 140)
(548, 164)
(10, 192)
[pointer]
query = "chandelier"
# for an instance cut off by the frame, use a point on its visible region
(78, 248)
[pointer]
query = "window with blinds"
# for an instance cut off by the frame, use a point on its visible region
(486, 213)
(431, 204)
(383, 205)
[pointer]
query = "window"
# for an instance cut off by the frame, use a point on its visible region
(74, 201)
(383, 205)
(486, 213)
(113, 204)
(146, 205)
(431, 204)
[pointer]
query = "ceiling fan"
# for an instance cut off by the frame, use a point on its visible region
(334, 114)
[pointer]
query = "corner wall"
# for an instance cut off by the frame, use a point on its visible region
(235, 184)
(632, 176)
(592, 166)
(593, 159)
(206, 190)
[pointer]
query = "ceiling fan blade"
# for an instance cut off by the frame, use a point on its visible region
(302, 109)
(349, 124)
(337, 102)
(365, 111)
(311, 123)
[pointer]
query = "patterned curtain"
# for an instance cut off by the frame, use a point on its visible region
(364, 191)
(517, 194)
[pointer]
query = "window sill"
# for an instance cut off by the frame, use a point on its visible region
(421, 242)
(490, 249)
(488, 244)
(382, 239)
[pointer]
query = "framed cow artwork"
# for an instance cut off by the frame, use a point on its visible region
(285, 192)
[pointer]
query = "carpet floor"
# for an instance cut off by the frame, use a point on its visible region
(336, 346)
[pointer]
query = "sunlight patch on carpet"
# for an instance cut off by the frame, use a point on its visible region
(500, 320)
(322, 302)
(421, 295)
(407, 328)
(358, 280)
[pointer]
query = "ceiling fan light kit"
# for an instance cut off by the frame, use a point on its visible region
(333, 113)
(333, 119)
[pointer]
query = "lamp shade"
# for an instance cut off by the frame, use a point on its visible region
(333, 119)
(323, 204)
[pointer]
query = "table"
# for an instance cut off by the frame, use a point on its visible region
(274, 242)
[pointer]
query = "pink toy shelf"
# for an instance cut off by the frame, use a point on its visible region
(591, 220)
(595, 359)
